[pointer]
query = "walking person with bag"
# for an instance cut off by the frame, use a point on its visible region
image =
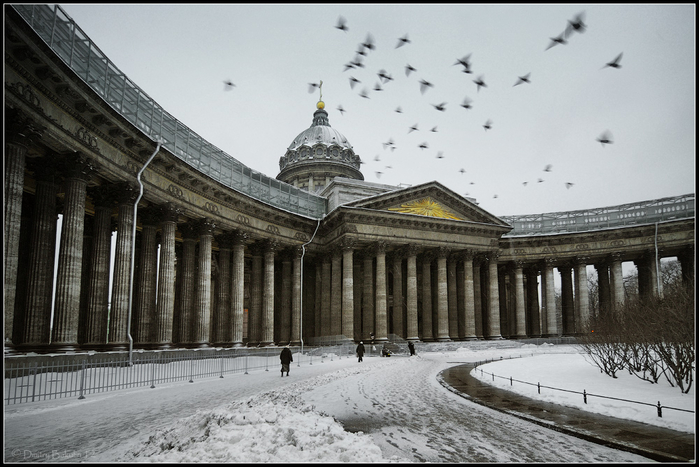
(286, 358)
(360, 351)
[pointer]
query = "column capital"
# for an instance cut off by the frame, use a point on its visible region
(189, 230)
(125, 192)
(518, 263)
(204, 226)
(150, 215)
(412, 250)
(581, 260)
(615, 256)
(102, 196)
(169, 212)
(467, 254)
(548, 262)
(380, 247)
(443, 252)
(20, 129)
(77, 165)
(347, 243)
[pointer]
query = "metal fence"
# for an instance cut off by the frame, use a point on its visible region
(659, 407)
(37, 379)
(58, 30)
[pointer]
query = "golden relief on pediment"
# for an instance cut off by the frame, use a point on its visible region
(426, 207)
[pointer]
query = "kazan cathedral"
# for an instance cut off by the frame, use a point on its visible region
(206, 252)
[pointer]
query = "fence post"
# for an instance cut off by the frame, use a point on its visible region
(510, 380)
(36, 370)
(152, 372)
(191, 370)
(660, 410)
(221, 367)
(584, 396)
(267, 360)
(493, 374)
(246, 363)
(538, 388)
(82, 382)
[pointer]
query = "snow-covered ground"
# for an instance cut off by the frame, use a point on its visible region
(381, 410)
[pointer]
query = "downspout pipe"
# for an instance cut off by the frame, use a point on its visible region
(133, 247)
(303, 253)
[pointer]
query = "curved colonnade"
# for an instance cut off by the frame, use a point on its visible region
(213, 266)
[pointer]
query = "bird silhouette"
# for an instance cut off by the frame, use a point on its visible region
(357, 62)
(495, 196)
(541, 180)
(524, 183)
(342, 24)
(384, 76)
(377, 158)
(353, 81)
(577, 24)
(548, 168)
(368, 42)
(342, 111)
(413, 128)
(399, 110)
(465, 61)
(378, 174)
(479, 82)
(424, 84)
(402, 41)
(312, 87)
(228, 85)
(568, 185)
(441, 107)
(488, 125)
(614, 63)
(466, 104)
(605, 138)
(390, 142)
(440, 155)
(423, 145)
(364, 93)
(434, 129)
(557, 40)
(523, 79)
(408, 69)
(377, 87)
(463, 171)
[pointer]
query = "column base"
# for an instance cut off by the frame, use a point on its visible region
(470, 338)
(494, 338)
(64, 348)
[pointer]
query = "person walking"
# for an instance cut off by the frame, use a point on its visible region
(286, 358)
(411, 347)
(360, 351)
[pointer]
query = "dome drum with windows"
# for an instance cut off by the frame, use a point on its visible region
(317, 155)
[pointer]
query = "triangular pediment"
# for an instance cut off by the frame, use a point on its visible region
(429, 200)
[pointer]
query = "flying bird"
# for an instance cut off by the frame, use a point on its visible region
(378, 174)
(488, 125)
(342, 24)
(228, 85)
(605, 138)
(557, 40)
(441, 107)
(523, 79)
(568, 185)
(424, 85)
(408, 69)
(463, 171)
(368, 42)
(385, 77)
(465, 61)
(399, 110)
(413, 128)
(479, 82)
(540, 180)
(402, 41)
(423, 145)
(377, 158)
(390, 142)
(434, 129)
(342, 111)
(466, 104)
(353, 81)
(364, 93)
(614, 63)
(440, 155)
(548, 168)
(577, 24)
(377, 87)
(524, 183)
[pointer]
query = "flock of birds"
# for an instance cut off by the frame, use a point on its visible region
(576, 25)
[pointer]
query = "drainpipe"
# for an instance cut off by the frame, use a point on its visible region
(303, 253)
(133, 247)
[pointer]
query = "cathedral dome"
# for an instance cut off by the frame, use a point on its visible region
(319, 154)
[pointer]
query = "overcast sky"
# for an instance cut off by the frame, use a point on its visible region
(180, 55)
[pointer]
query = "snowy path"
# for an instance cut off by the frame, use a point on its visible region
(392, 409)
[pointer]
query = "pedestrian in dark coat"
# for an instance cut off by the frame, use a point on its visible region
(286, 359)
(360, 351)
(411, 347)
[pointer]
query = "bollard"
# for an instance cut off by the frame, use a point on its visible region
(510, 380)
(660, 410)
(584, 396)
(493, 376)
(538, 388)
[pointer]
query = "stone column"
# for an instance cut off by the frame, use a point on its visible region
(256, 278)
(336, 293)
(567, 300)
(165, 307)
(202, 308)
(477, 296)
(325, 304)
(381, 305)
(285, 302)
(617, 282)
(95, 334)
(41, 261)
(357, 297)
(442, 295)
(221, 330)
(582, 302)
(397, 263)
(187, 284)
(119, 312)
(520, 308)
(267, 336)
(603, 286)
(347, 246)
(143, 318)
(368, 295)
(549, 296)
(411, 292)
(77, 170)
(238, 288)
(427, 332)
(452, 301)
(317, 298)
(469, 319)
(493, 298)
(533, 302)
(296, 296)
(20, 133)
